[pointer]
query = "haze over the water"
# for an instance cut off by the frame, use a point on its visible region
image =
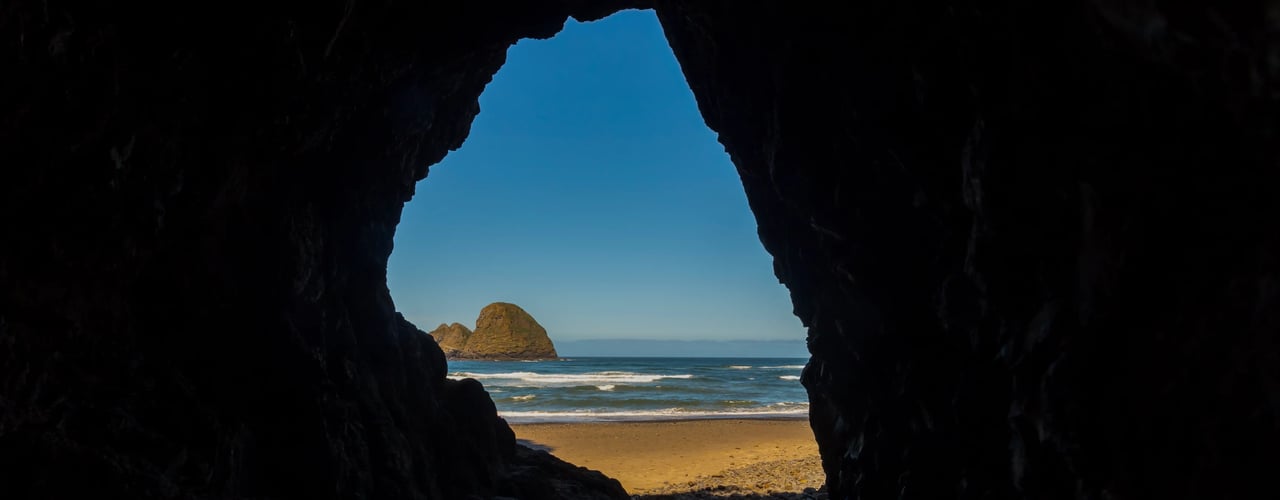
(590, 193)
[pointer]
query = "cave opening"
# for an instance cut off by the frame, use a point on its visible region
(1032, 243)
(591, 195)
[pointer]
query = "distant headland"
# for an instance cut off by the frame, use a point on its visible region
(503, 332)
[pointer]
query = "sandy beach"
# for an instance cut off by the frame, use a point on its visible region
(663, 458)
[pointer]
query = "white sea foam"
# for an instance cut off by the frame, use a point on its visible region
(790, 377)
(777, 410)
(608, 387)
(482, 376)
(590, 378)
(525, 397)
(739, 367)
(783, 367)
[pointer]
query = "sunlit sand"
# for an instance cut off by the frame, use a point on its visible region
(668, 457)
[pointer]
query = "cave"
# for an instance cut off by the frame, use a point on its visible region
(1032, 243)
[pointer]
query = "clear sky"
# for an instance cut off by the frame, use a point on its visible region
(591, 193)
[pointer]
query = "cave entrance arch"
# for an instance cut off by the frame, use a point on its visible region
(1030, 241)
(591, 193)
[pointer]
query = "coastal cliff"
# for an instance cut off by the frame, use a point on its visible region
(503, 331)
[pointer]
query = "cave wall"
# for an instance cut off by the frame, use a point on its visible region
(198, 201)
(1032, 242)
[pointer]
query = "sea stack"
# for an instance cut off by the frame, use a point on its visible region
(503, 332)
(451, 338)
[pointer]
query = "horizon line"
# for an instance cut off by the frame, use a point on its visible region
(632, 339)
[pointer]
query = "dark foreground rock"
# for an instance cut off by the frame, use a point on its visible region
(1033, 243)
(541, 475)
(198, 201)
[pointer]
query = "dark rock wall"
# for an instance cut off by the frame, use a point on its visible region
(198, 201)
(1034, 242)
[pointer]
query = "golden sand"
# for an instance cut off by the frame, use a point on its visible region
(662, 456)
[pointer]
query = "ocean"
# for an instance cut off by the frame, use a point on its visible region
(587, 389)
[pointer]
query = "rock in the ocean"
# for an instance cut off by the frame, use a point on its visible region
(451, 338)
(503, 331)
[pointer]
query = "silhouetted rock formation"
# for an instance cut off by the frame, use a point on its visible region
(198, 203)
(1033, 242)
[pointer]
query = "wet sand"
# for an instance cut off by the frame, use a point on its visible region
(670, 457)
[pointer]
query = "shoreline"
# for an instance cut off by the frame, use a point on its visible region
(737, 455)
(658, 420)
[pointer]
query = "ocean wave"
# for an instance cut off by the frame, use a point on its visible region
(783, 367)
(525, 397)
(590, 378)
(771, 411)
(608, 387)
(790, 377)
(739, 367)
(484, 376)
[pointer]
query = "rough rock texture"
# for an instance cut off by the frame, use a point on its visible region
(198, 201)
(451, 338)
(1033, 242)
(505, 331)
(541, 475)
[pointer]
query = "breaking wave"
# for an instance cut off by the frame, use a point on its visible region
(780, 410)
(591, 378)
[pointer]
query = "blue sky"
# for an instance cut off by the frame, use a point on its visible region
(591, 194)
